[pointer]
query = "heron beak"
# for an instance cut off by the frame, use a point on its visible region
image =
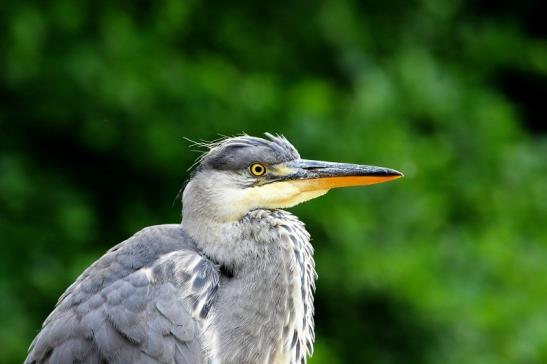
(310, 175)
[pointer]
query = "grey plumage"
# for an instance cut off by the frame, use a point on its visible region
(233, 283)
(132, 305)
(239, 152)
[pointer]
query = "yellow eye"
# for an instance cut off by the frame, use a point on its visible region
(258, 169)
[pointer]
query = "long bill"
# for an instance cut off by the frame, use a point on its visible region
(311, 175)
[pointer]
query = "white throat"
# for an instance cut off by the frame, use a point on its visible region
(229, 202)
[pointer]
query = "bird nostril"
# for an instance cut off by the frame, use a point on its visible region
(312, 168)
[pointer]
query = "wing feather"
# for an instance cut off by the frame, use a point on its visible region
(142, 302)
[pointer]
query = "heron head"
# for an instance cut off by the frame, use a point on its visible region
(244, 173)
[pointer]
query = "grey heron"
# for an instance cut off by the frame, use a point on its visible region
(232, 283)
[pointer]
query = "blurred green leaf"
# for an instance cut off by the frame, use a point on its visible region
(447, 264)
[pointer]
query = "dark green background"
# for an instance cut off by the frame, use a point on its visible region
(448, 265)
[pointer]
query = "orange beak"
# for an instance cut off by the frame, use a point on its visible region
(312, 175)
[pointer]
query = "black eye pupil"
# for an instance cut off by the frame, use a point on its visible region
(257, 169)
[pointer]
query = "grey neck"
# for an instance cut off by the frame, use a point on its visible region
(264, 312)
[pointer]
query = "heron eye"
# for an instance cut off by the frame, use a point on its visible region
(258, 169)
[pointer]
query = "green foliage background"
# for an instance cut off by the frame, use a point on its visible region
(447, 265)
